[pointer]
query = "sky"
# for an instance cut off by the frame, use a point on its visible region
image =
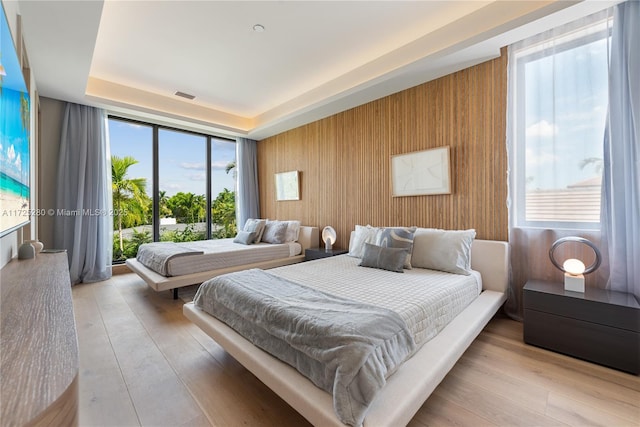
(182, 158)
(565, 112)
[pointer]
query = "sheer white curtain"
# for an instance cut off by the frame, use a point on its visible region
(84, 225)
(556, 114)
(248, 194)
(621, 177)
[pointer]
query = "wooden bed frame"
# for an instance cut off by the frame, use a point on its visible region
(308, 238)
(410, 386)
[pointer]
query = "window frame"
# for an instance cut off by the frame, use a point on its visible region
(156, 169)
(520, 144)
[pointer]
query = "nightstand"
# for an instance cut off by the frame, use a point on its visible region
(600, 326)
(317, 253)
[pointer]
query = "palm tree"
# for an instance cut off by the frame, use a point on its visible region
(165, 212)
(125, 189)
(231, 166)
(597, 162)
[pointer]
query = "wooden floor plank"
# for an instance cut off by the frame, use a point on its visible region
(217, 384)
(574, 412)
(103, 394)
(438, 410)
(144, 363)
(158, 395)
(509, 336)
(558, 373)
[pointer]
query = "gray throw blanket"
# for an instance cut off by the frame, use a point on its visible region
(345, 347)
(156, 255)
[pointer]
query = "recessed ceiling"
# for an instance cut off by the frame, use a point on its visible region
(313, 59)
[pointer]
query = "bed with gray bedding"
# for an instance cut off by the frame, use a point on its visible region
(184, 264)
(345, 347)
(442, 312)
(346, 328)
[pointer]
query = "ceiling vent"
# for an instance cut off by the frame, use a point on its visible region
(184, 95)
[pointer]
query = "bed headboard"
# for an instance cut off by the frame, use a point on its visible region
(309, 237)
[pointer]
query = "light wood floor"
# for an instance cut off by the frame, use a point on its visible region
(143, 363)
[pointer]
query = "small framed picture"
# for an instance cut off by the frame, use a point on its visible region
(287, 186)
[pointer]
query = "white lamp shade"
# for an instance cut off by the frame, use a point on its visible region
(573, 266)
(329, 235)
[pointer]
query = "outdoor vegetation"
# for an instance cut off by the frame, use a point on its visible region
(133, 212)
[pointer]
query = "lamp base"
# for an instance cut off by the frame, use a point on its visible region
(328, 246)
(574, 283)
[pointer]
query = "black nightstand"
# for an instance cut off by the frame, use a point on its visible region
(600, 326)
(317, 253)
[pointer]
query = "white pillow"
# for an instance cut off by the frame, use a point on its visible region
(275, 232)
(444, 250)
(363, 234)
(293, 231)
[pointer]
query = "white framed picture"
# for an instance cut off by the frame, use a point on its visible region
(287, 186)
(421, 173)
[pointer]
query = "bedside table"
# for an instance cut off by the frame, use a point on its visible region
(317, 253)
(600, 326)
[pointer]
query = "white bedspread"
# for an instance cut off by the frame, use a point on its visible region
(221, 253)
(426, 300)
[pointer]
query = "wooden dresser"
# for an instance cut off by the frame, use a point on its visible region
(38, 343)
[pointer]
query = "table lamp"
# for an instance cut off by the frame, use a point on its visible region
(574, 269)
(328, 237)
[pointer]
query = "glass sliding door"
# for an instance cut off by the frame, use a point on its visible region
(182, 190)
(132, 179)
(223, 188)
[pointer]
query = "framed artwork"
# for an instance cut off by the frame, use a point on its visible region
(421, 173)
(287, 186)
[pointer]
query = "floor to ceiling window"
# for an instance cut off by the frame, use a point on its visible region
(169, 185)
(182, 169)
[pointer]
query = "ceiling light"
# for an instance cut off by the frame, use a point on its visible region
(184, 95)
(258, 28)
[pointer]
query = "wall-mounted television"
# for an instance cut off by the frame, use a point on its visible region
(15, 208)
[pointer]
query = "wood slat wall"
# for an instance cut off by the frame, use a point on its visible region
(344, 159)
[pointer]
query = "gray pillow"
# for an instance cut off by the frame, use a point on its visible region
(245, 237)
(397, 237)
(391, 259)
(275, 232)
(256, 225)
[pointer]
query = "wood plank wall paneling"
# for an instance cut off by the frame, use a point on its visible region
(344, 159)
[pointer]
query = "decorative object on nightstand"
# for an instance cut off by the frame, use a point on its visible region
(328, 237)
(574, 269)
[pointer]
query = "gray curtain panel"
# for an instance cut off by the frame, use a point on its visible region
(248, 198)
(621, 175)
(84, 222)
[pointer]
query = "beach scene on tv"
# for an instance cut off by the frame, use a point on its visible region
(14, 136)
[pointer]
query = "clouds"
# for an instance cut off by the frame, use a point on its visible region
(193, 166)
(215, 165)
(541, 129)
